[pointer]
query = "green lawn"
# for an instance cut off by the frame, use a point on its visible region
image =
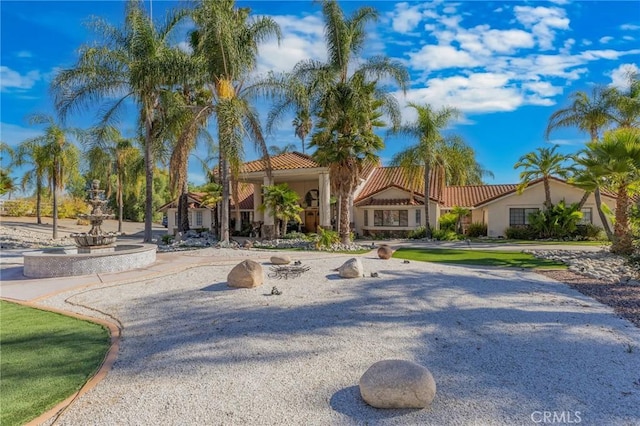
(541, 242)
(477, 257)
(44, 358)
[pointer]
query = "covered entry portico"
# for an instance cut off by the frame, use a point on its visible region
(304, 176)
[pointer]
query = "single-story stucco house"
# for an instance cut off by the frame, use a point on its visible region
(385, 202)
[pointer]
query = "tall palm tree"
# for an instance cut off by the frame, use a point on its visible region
(62, 156)
(282, 201)
(277, 150)
(302, 125)
(626, 103)
(347, 101)
(228, 40)
(618, 159)
(423, 156)
(588, 113)
(543, 163)
(31, 151)
(590, 178)
(133, 62)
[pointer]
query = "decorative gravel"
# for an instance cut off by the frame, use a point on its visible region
(502, 345)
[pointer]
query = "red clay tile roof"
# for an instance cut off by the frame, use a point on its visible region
(390, 202)
(472, 195)
(286, 161)
(388, 177)
(245, 192)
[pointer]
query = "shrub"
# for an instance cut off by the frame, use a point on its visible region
(167, 239)
(559, 221)
(476, 230)
(16, 208)
(445, 235)
(448, 221)
(72, 207)
(589, 231)
(327, 238)
(520, 233)
(419, 232)
(294, 235)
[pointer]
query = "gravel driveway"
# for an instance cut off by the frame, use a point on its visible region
(504, 346)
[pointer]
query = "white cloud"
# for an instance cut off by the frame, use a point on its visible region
(620, 75)
(541, 88)
(629, 38)
(405, 19)
(629, 27)
(567, 142)
(10, 79)
(507, 41)
(24, 54)
(301, 39)
(543, 22)
(441, 57)
(605, 39)
(586, 42)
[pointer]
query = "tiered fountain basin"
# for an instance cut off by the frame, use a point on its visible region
(74, 261)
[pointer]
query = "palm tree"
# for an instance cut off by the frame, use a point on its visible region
(348, 102)
(589, 114)
(618, 159)
(626, 104)
(282, 201)
(423, 156)
(543, 164)
(110, 154)
(302, 124)
(460, 212)
(7, 184)
(589, 178)
(133, 62)
(58, 157)
(228, 41)
(277, 150)
(31, 151)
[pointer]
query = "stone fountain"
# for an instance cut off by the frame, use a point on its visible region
(95, 251)
(96, 240)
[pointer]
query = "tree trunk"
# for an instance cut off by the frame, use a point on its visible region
(583, 200)
(283, 230)
(224, 211)
(622, 241)
(183, 208)
(55, 206)
(236, 202)
(603, 218)
(345, 238)
(148, 165)
(120, 204)
(39, 201)
(427, 171)
(547, 193)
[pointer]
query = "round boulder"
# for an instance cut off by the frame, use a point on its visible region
(247, 244)
(385, 252)
(396, 383)
(280, 259)
(352, 268)
(246, 274)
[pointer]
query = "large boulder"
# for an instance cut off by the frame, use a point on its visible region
(385, 252)
(282, 259)
(352, 268)
(396, 383)
(246, 274)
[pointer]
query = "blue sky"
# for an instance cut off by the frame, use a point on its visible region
(506, 65)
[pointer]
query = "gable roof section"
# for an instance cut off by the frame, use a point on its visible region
(194, 199)
(388, 177)
(473, 195)
(286, 161)
(245, 195)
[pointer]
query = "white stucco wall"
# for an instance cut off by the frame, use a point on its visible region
(207, 219)
(497, 213)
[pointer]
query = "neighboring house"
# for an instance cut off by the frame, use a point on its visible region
(385, 202)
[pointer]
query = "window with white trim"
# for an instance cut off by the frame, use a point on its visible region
(520, 216)
(587, 216)
(391, 218)
(198, 219)
(366, 218)
(418, 217)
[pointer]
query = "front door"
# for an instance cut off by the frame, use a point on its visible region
(311, 220)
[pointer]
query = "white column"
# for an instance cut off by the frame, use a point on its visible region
(257, 201)
(268, 217)
(324, 187)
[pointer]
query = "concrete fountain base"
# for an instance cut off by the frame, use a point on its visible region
(69, 262)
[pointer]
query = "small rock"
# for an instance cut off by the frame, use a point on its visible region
(397, 383)
(247, 244)
(275, 291)
(280, 260)
(352, 268)
(385, 252)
